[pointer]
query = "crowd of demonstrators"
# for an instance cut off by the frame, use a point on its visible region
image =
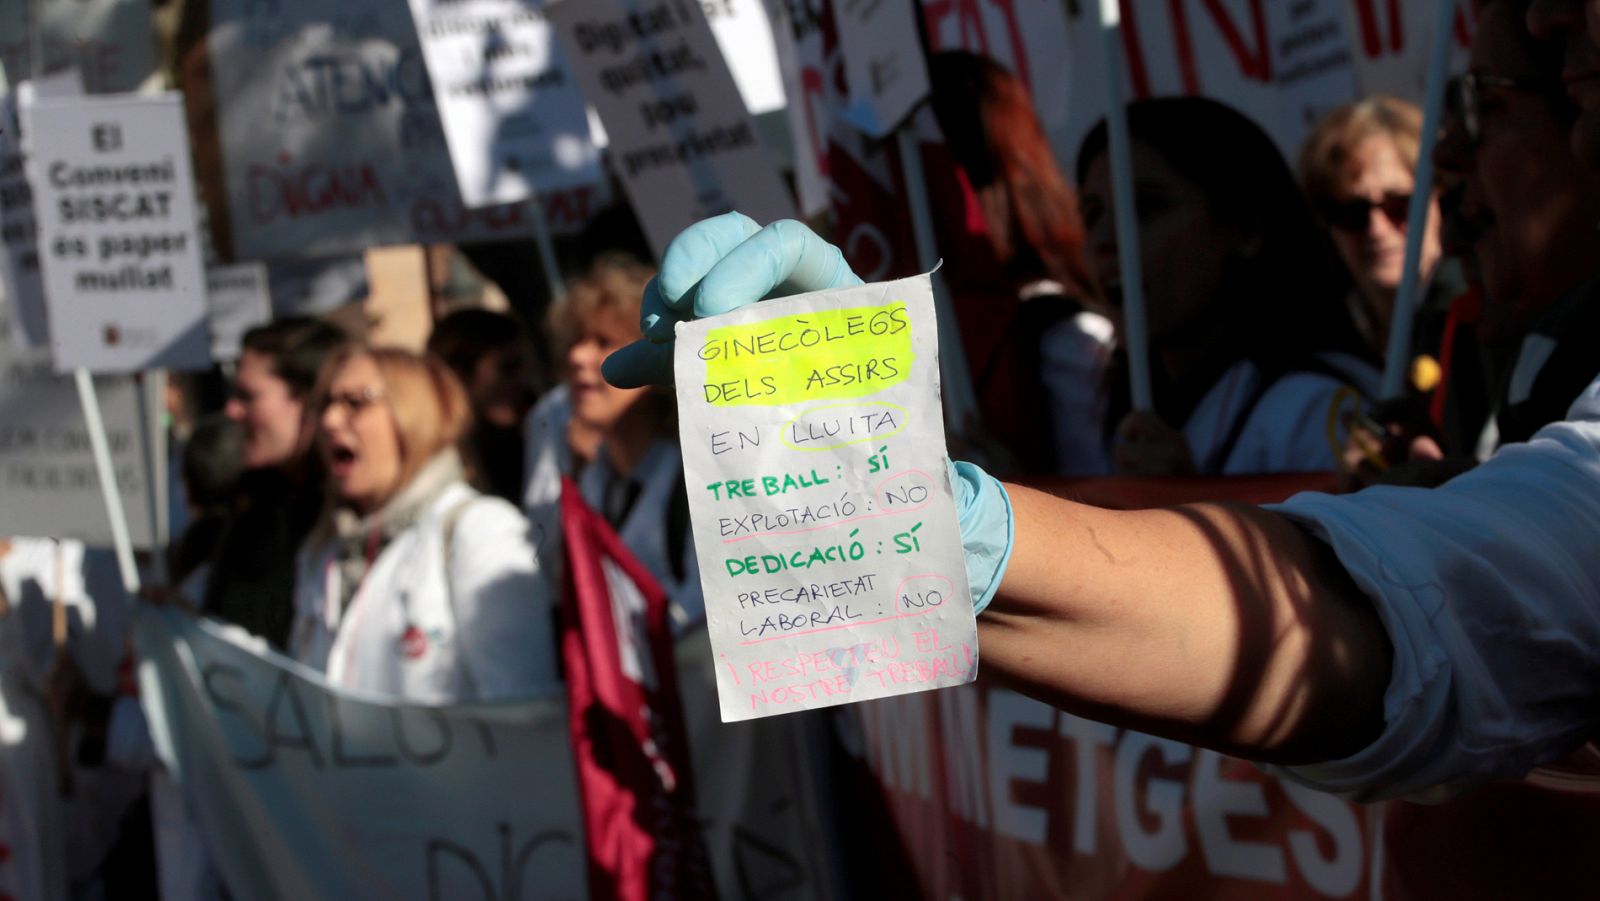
(391, 518)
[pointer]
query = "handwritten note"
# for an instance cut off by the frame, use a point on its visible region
(813, 449)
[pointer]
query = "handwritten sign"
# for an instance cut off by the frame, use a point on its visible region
(813, 450)
(883, 63)
(513, 119)
(111, 42)
(19, 264)
(120, 244)
(239, 299)
(306, 792)
(680, 135)
(48, 484)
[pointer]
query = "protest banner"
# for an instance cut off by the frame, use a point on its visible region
(304, 791)
(813, 448)
(883, 63)
(19, 233)
(110, 42)
(1390, 42)
(513, 120)
(120, 245)
(680, 136)
(325, 138)
(239, 299)
(48, 483)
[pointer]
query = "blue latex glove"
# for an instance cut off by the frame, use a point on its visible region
(983, 510)
(718, 265)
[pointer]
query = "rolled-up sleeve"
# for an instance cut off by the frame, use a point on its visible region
(1489, 587)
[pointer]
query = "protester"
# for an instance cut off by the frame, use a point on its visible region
(1250, 341)
(212, 464)
(413, 584)
(490, 353)
(1377, 644)
(1359, 170)
(252, 576)
(1055, 340)
(1533, 244)
(635, 476)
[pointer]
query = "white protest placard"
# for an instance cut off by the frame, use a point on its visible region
(306, 792)
(118, 236)
(744, 31)
(111, 42)
(1311, 60)
(19, 264)
(330, 139)
(240, 299)
(883, 62)
(513, 119)
(679, 133)
(813, 451)
(48, 484)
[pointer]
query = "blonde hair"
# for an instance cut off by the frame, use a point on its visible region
(429, 405)
(1341, 132)
(613, 287)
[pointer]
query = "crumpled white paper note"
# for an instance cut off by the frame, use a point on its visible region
(813, 450)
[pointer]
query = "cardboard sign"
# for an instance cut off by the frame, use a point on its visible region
(813, 450)
(19, 264)
(679, 133)
(883, 62)
(512, 117)
(119, 243)
(239, 299)
(48, 484)
(111, 42)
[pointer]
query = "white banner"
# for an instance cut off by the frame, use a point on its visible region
(307, 792)
(513, 118)
(679, 133)
(111, 42)
(239, 299)
(119, 241)
(48, 484)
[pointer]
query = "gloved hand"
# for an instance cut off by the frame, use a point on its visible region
(718, 265)
(983, 510)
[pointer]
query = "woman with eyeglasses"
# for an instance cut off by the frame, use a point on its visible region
(1250, 341)
(1358, 168)
(414, 584)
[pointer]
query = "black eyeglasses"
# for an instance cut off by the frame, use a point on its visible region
(1355, 214)
(1464, 97)
(353, 402)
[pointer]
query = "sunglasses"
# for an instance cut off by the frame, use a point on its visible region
(1463, 97)
(1354, 215)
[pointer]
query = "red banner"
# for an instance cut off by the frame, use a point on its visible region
(628, 738)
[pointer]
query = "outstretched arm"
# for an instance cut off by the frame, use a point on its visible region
(1218, 625)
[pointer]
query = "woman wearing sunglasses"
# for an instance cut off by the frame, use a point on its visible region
(1358, 169)
(414, 585)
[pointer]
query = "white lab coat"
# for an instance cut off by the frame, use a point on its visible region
(426, 630)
